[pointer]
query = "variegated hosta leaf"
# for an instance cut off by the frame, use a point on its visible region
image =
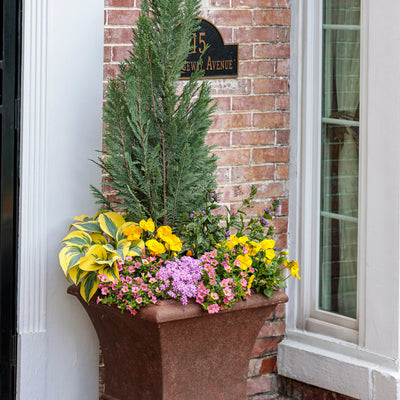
(110, 223)
(76, 274)
(82, 218)
(89, 261)
(136, 248)
(89, 285)
(99, 213)
(88, 226)
(70, 256)
(110, 271)
(98, 238)
(77, 238)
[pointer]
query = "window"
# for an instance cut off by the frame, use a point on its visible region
(339, 157)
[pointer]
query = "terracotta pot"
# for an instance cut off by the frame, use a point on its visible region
(168, 353)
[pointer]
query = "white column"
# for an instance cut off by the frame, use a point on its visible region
(61, 129)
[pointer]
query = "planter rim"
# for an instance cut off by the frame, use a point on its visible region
(172, 310)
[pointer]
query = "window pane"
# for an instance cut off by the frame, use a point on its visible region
(339, 157)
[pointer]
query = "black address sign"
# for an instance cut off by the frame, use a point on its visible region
(217, 60)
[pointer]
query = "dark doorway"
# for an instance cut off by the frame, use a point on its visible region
(10, 67)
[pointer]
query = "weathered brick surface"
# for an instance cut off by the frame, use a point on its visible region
(250, 127)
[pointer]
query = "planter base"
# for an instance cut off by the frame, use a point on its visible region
(167, 353)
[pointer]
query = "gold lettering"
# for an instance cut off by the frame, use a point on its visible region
(209, 64)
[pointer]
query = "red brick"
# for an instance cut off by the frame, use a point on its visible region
(230, 87)
(264, 347)
(283, 3)
(227, 34)
(110, 71)
(270, 85)
(272, 17)
(284, 207)
(220, 3)
(122, 17)
(259, 103)
(273, 51)
(120, 53)
(282, 137)
(233, 157)
(319, 394)
(297, 390)
(283, 67)
(255, 173)
(271, 154)
(260, 138)
(260, 384)
(280, 224)
(283, 102)
(119, 3)
(233, 17)
(281, 241)
(222, 175)
(107, 54)
(245, 53)
(282, 171)
(268, 365)
(254, 68)
(218, 138)
(256, 34)
(253, 3)
(231, 121)
(280, 311)
(271, 120)
(273, 328)
(223, 104)
(330, 396)
(270, 190)
(117, 35)
(235, 193)
(307, 393)
(284, 35)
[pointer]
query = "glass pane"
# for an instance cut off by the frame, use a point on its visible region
(342, 12)
(339, 170)
(338, 267)
(341, 73)
(339, 158)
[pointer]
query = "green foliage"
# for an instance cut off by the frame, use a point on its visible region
(154, 144)
(211, 225)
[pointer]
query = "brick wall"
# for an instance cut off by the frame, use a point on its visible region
(251, 126)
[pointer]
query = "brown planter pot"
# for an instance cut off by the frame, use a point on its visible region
(165, 352)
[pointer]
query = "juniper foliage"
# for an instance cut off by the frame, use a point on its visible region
(154, 148)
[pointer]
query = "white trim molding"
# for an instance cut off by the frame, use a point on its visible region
(62, 86)
(362, 361)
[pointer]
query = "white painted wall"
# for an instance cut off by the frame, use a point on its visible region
(61, 129)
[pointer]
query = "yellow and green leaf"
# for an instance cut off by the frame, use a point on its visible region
(89, 261)
(98, 238)
(87, 226)
(77, 238)
(111, 272)
(110, 223)
(70, 256)
(76, 274)
(89, 285)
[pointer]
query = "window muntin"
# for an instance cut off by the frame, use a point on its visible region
(339, 157)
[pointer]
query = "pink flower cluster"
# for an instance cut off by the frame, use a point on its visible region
(136, 287)
(222, 283)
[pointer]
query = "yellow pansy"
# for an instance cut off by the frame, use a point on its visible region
(173, 243)
(133, 232)
(147, 225)
(245, 261)
(270, 253)
(242, 240)
(250, 282)
(163, 232)
(232, 241)
(294, 268)
(254, 247)
(267, 244)
(155, 247)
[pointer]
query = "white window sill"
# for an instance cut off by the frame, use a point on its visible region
(338, 366)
